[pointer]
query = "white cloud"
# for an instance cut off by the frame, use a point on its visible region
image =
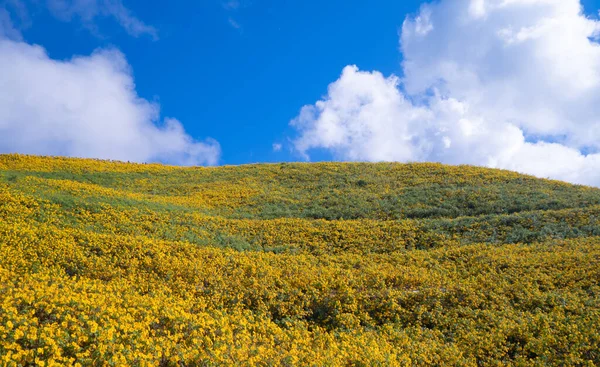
(231, 4)
(88, 10)
(504, 83)
(13, 18)
(277, 147)
(235, 8)
(86, 107)
(234, 23)
(7, 28)
(364, 118)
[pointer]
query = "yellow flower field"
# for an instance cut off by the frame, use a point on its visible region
(331, 264)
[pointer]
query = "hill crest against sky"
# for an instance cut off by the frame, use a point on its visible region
(510, 84)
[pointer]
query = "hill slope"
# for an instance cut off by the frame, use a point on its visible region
(295, 264)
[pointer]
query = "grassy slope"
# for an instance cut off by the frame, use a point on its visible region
(293, 264)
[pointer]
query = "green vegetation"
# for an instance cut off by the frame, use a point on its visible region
(352, 264)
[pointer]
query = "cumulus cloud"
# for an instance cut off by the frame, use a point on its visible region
(86, 107)
(504, 83)
(87, 11)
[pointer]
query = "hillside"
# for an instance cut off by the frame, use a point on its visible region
(324, 264)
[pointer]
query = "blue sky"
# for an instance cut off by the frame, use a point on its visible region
(240, 86)
(507, 84)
